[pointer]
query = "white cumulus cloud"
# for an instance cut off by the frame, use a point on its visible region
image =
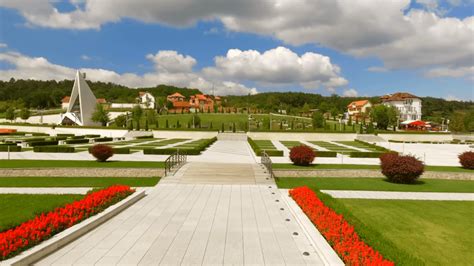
(350, 93)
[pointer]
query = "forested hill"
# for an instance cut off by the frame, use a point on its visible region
(48, 94)
(432, 108)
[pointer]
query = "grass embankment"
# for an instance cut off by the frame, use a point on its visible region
(17, 208)
(289, 166)
(376, 184)
(408, 232)
(77, 164)
(77, 181)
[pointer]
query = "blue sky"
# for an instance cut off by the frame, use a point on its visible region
(126, 48)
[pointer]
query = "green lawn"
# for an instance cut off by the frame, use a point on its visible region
(18, 208)
(333, 183)
(77, 181)
(289, 166)
(407, 232)
(88, 164)
(414, 232)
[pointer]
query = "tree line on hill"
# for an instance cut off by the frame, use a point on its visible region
(35, 94)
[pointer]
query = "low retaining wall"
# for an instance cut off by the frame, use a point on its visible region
(114, 133)
(417, 137)
(367, 174)
(301, 136)
(184, 134)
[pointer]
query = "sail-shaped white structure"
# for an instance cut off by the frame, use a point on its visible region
(81, 104)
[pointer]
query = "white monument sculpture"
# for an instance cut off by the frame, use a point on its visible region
(81, 105)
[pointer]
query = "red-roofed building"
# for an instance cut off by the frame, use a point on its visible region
(407, 105)
(357, 109)
(197, 103)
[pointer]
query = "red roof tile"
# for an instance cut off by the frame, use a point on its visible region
(358, 103)
(66, 99)
(176, 95)
(399, 96)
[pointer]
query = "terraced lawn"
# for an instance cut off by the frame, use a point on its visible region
(332, 146)
(77, 181)
(357, 145)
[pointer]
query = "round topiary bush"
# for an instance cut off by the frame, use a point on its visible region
(467, 160)
(401, 169)
(102, 152)
(302, 155)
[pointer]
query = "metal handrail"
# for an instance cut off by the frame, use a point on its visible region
(174, 161)
(267, 162)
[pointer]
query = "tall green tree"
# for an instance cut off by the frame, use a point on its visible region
(318, 120)
(25, 113)
(10, 114)
(101, 115)
(137, 113)
(384, 116)
(121, 121)
(457, 123)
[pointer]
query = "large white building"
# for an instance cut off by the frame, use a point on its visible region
(146, 100)
(407, 105)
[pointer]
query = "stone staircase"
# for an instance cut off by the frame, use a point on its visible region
(133, 134)
(220, 174)
(370, 138)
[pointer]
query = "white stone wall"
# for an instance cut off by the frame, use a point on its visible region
(184, 134)
(417, 137)
(409, 109)
(302, 136)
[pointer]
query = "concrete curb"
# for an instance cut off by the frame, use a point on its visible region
(322, 247)
(67, 236)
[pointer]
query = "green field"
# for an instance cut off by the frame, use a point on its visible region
(18, 208)
(76, 164)
(77, 181)
(408, 232)
(413, 232)
(379, 184)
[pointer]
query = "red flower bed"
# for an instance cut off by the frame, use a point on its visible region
(337, 231)
(43, 226)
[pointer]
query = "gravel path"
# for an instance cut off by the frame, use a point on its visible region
(360, 194)
(83, 172)
(367, 173)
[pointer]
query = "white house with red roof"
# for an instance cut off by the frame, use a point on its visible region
(407, 105)
(356, 109)
(146, 100)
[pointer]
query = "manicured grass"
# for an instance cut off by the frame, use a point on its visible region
(18, 208)
(290, 166)
(87, 164)
(413, 232)
(380, 184)
(77, 181)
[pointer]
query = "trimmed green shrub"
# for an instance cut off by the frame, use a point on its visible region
(376, 147)
(325, 153)
(76, 141)
(258, 150)
(116, 150)
(103, 139)
(13, 148)
(55, 149)
(144, 137)
(43, 143)
(363, 154)
(102, 152)
(77, 137)
(91, 136)
(34, 140)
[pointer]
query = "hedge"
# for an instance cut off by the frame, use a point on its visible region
(13, 148)
(34, 140)
(103, 139)
(76, 141)
(362, 154)
(43, 143)
(91, 136)
(117, 150)
(144, 137)
(325, 154)
(59, 138)
(258, 151)
(65, 135)
(62, 149)
(77, 137)
(171, 151)
(379, 148)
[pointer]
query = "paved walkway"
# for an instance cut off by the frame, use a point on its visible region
(360, 194)
(229, 212)
(200, 225)
(44, 190)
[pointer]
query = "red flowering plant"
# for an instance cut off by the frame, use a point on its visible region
(302, 155)
(44, 226)
(337, 231)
